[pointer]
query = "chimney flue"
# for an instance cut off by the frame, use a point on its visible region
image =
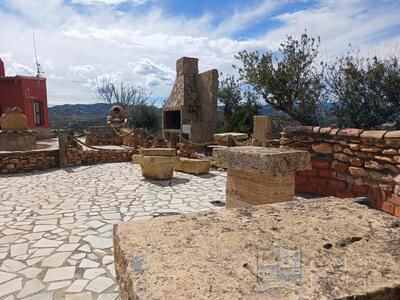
(2, 70)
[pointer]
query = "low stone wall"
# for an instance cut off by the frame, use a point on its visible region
(25, 161)
(78, 156)
(349, 163)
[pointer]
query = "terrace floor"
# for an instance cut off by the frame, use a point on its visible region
(56, 226)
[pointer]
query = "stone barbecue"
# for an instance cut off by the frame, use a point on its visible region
(259, 175)
(191, 108)
(312, 249)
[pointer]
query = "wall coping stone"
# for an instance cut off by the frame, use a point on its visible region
(373, 134)
(392, 134)
(352, 132)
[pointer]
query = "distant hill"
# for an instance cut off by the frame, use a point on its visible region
(78, 116)
(81, 116)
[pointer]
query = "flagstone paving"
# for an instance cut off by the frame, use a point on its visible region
(56, 226)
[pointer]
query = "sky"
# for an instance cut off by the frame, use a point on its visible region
(139, 41)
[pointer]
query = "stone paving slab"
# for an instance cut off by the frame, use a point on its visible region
(56, 226)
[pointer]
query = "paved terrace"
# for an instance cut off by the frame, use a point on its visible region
(56, 226)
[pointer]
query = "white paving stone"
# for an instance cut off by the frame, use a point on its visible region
(10, 287)
(86, 263)
(58, 285)
(18, 249)
(77, 286)
(6, 276)
(100, 284)
(55, 260)
(31, 287)
(80, 296)
(31, 272)
(93, 273)
(12, 265)
(61, 273)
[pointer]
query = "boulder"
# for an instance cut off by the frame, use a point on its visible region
(192, 166)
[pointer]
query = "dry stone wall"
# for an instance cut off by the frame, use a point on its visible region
(349, 163)
(26, 161)
(78, 156)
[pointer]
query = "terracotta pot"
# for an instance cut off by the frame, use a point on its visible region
(13, 118)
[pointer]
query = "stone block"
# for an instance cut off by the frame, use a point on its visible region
(373, 134)
(158, 167)
(247, 188)
(158, 151)
(350, 132)
(392, 134)
(226, 254)
(192, 166)
(323, 148)
(262, 128)
(269, 161)
(359, 172)
(223, 137)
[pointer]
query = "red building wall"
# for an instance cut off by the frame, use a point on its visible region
(22, 91)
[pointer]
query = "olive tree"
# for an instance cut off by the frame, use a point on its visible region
(366, 92)
(290, 80)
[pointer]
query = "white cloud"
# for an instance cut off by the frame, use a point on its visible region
(110, 2)
(77, 48)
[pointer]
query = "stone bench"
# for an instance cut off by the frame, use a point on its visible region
(259, 175)
(314, 249)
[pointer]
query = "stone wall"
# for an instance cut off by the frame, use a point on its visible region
(78, 156)
(25, 161)
(349, 163)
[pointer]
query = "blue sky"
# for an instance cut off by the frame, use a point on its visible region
(138, 41)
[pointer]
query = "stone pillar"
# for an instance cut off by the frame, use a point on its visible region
(62, 145)
(259, 175)
(262, 129)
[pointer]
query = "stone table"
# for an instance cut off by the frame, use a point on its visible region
(312, 249)
(258, 175)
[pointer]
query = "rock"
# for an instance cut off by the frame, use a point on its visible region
(355, 161)
(339, 166)
(381, 176)
(230, 245)
(324, 148)
(337, 148)
(391, 151)
(354, 147)
(359, 172)
(341, 157)
(371, 149)
(373, 165)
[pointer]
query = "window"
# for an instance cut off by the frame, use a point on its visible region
(38, 113)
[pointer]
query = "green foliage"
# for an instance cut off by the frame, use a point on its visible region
(239, 106)
(145, 116)
(290, 81)
(366, 92)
